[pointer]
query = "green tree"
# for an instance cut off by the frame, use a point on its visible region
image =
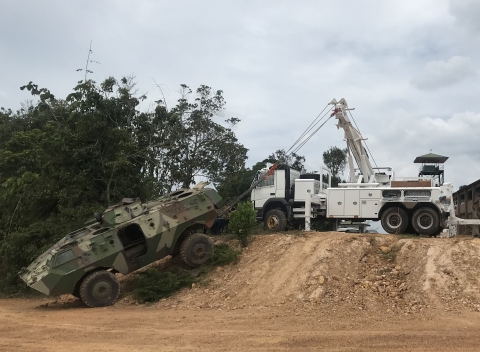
(61, 160)
(293, 160)
(238, 182)
(336, 160)
(203, 147)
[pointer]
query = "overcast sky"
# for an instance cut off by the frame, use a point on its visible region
(409, 68)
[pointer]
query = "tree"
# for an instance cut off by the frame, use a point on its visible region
(293, 160)
(336, 160)
(61, 160)
(238, 182)
(201, 146)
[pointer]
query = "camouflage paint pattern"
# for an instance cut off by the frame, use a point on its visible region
(128, 236)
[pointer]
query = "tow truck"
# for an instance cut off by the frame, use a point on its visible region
(282, 195)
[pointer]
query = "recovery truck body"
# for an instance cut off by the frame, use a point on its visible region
(413, 204)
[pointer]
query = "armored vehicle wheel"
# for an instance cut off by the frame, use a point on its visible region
(275, 220)
(99, 289)
(196, 249)
(395, 220)
(426, 221)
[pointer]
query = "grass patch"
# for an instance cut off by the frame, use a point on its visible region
(225, 254)
(152, 285)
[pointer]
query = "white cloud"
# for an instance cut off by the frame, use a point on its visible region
(278, 62)
(438, 74)
(408, 136)
(466, 13)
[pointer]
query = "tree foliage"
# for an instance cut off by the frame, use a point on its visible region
(203, 147)
(293, 160)
(63, 159)
(336, 160)
(242, 221)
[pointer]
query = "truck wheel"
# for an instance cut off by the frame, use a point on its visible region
(426, 221)
(275, 220)
(99, 289)
(196, 249)
(394, 220)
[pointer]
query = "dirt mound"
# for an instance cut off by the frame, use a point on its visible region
(345, 274)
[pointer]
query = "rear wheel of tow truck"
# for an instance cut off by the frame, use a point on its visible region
(426, 221)
(196, 249)
(99, 289)
(395, 220)
(275, 220)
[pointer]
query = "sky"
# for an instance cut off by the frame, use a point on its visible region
(409, 68)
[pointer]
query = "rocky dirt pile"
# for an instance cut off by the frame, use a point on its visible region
(344, 274)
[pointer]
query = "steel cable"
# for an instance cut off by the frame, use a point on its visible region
(308, 129)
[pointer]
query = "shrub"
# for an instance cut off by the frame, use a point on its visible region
(225, 254)
(153, 285)
(243, 221)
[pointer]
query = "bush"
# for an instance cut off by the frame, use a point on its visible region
(242, 221)
(225, 254)
(153, 285)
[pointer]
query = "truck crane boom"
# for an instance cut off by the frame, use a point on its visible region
(355, 146)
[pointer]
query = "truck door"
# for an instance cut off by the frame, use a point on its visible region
(273, 187)
(263, 192)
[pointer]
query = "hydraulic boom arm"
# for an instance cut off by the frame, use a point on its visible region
(354, 143)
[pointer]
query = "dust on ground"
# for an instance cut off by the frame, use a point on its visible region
(294, 291)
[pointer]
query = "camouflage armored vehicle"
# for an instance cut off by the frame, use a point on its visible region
(124, 238)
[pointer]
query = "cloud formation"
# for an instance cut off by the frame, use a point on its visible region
(439, 74)
(407, 67)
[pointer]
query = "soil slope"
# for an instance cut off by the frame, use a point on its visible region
(347, 273)
(317, 291)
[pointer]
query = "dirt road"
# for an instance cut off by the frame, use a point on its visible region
(328, 291)
(28, 325)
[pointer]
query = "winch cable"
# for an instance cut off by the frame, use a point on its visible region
(366, 146)
(308, 129)
(311, 135)
(265, 176)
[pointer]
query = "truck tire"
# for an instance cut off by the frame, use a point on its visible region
(275, 220)
(394, 220)
(99, 289)
(196, 249)
(426, 221)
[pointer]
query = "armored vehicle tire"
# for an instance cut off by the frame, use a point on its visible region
(426, 221)
(196, 249)
(275, 220)
(394, 220)
(99, 289)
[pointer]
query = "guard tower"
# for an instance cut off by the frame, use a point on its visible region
(432, 165)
